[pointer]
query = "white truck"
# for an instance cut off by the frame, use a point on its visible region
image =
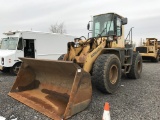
(30, 44)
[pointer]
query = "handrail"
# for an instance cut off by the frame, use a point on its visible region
(129, 35)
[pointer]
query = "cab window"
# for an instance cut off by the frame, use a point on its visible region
(97, 28)
(119, 27)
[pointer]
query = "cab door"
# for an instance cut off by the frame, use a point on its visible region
(20, 49)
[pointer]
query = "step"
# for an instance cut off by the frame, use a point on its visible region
(127, 72)
(127, 64)
(127, 56)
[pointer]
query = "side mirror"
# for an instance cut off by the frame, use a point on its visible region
(24, 42)
(124, 21)
(20, 44)
(88, 26)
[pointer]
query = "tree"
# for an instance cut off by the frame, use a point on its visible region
(58, 28)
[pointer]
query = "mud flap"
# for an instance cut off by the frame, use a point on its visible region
(58, 89)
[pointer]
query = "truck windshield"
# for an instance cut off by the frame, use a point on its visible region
(9, 43)
(103, 25)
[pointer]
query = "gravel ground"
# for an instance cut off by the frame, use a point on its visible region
(134, 100)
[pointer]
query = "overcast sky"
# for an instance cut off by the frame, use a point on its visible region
(38, 15)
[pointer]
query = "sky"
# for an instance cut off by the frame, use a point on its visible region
(39, 15)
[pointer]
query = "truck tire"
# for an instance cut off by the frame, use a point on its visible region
(61, 57)
(107, 73)
(14, 70)
(136, 67)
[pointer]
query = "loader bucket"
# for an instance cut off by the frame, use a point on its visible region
(58, 89)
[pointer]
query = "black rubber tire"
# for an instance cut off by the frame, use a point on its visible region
(156, 59)
(15, 69)
(101, 69)
(136, 67)
(61, 57)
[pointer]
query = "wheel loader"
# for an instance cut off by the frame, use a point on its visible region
(62, 88)
(149, 50)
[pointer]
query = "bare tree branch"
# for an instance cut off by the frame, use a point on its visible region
(58, 28)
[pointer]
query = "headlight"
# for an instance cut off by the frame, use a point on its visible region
(2, 61)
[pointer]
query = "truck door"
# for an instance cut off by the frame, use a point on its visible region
(19, 51)
(29, 49)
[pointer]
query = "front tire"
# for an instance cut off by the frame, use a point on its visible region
(15, 69)
(136, 67)
(107, 73)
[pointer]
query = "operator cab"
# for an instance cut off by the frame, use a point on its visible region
(109, 24)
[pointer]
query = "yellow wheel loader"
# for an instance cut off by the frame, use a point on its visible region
(149, 51)
(60, 89)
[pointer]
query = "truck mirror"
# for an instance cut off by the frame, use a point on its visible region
(24, 43)
(88, 26)
(124, 21)
(20, 44)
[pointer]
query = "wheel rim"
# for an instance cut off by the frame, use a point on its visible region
(139, 66)
(113, 74)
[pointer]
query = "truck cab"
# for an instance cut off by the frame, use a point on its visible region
(11, 49)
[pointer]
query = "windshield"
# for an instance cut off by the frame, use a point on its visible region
(103, 24)
(9, 43)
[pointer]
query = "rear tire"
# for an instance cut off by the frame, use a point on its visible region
(14, 70)
(136, 67)
(107, 73)
(61, 57)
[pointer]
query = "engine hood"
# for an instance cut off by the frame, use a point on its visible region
(5, 53)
